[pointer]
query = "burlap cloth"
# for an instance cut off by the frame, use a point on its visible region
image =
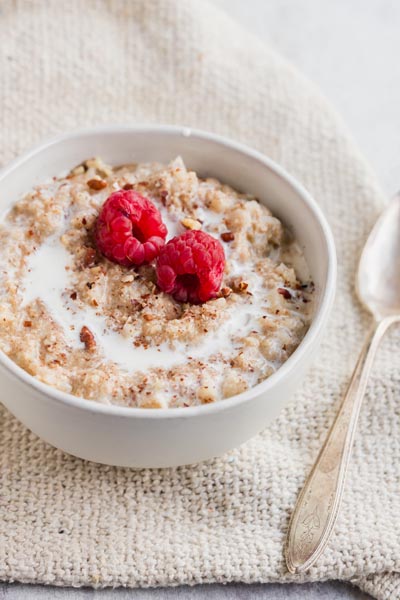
(63, 521)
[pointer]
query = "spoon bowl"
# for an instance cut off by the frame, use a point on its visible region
(378, 277)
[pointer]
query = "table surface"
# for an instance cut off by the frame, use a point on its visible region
(348, 47)
(316, 591)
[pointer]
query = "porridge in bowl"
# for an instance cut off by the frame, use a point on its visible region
(146, 286)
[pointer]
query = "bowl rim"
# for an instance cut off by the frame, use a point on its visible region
(319, 318)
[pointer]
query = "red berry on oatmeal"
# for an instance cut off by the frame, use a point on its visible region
(129, 229)
(191, 266)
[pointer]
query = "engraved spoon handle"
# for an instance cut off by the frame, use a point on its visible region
(317, 506)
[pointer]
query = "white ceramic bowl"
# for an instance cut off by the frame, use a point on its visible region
(137, 437)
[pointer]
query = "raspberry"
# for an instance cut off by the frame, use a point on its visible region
(190, 267)
(129, 229)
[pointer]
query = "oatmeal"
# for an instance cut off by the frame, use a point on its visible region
(107, 332)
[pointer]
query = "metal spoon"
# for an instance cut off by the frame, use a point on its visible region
(378, 288)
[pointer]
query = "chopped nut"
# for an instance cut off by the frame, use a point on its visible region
(87, 338)
(239, 286)
(225, 292)
(97, 184)
(148, 317)
(73, 296)
(89, 258)
(27, 323)
(136, 305)
(227, 236)
(191, 223)
(285, 293)
(128, 186)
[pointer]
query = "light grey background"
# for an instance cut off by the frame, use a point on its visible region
(350, 48)
(317, 591)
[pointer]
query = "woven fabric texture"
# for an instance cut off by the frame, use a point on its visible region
(65, 65)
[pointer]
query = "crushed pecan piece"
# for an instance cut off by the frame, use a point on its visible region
(73, 296)
(225, 292)
(285, 293)
(239, 286)
(148, 317)
(128, 186)
(87, 338)
(89, 258)
(97, 184)
(227, 236)
(27, 323)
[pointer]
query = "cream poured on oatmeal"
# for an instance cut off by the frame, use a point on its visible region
(98, 330)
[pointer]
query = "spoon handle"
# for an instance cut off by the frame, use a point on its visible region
(317, 506)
